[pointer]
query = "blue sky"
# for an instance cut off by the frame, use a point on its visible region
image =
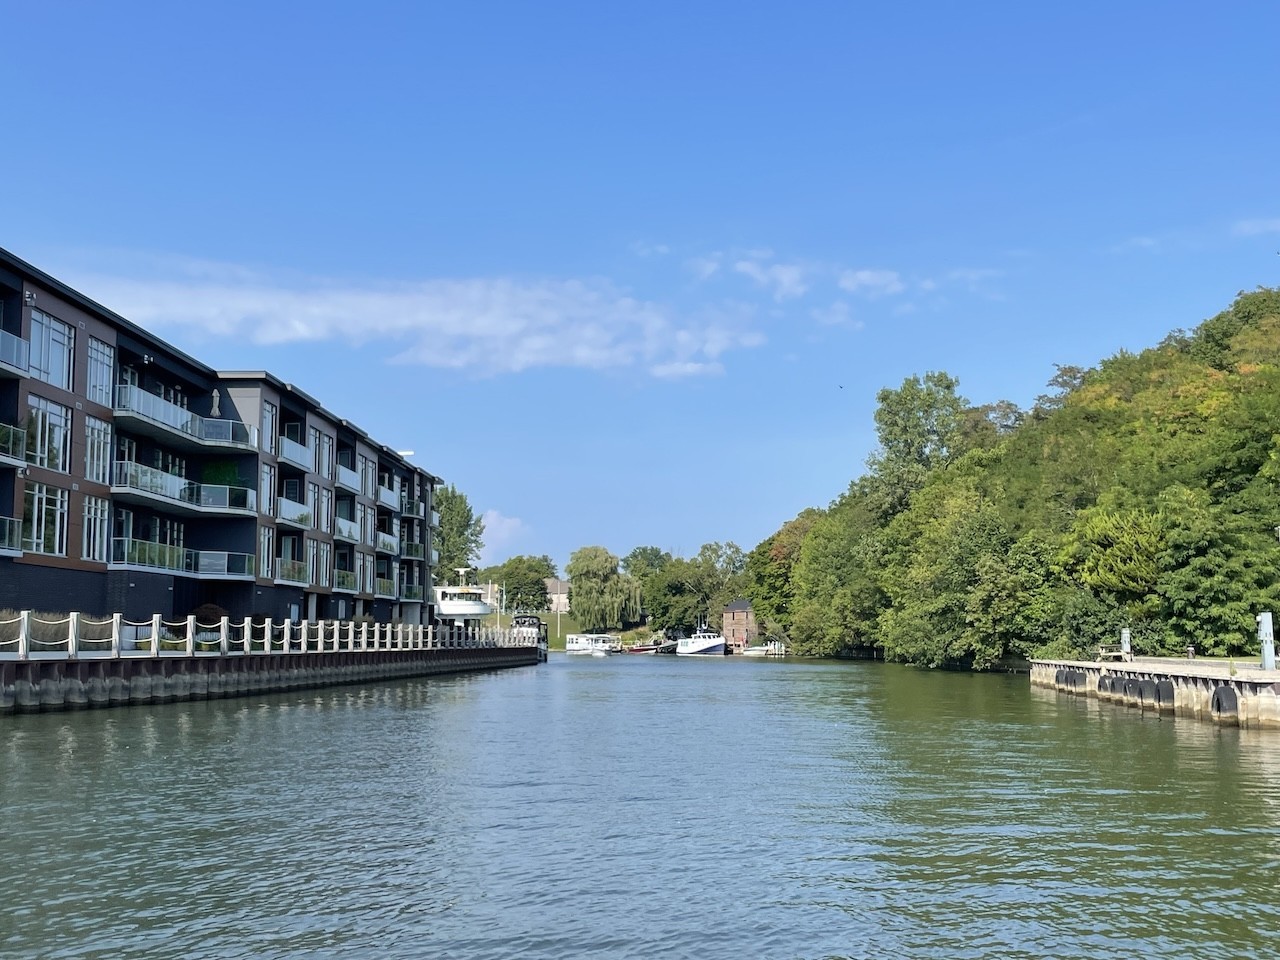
(648, 263)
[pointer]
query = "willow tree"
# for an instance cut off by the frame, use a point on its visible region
(600, 597)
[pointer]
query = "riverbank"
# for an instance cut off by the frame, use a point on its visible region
(1222, 692)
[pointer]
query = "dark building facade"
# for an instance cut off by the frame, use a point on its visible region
(135, 479)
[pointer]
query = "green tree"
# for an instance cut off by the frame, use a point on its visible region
(461, 531)
(524, 582)
(600, 597)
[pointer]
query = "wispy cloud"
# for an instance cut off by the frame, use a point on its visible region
(838, 314)
(500, 534)
(1252, 228)
(871, 283)
(489, 325)
(643, 249)
(784, 281)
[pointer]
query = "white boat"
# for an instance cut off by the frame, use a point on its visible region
(703, 643)
(592, 644)
(461, 604)
(772, 648)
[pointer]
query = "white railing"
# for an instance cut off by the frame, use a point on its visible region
(133, 400)
(14, 351)
(74, 636)
(299, 454)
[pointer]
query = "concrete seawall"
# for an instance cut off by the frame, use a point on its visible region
(35, 685)
(1245, 695)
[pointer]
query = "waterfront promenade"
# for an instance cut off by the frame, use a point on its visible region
(1227, 692)
(73, 662)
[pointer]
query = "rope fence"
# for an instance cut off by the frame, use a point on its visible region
(40, 636)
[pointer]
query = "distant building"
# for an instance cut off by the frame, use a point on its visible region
(739, 628)
(557, 595)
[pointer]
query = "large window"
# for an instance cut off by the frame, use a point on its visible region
(97, 515)
(48, 434)
(102, 359)
(267, 490)
(44, 520)
(97, 450)
(52, 346)
(270, 440)
(266, 550)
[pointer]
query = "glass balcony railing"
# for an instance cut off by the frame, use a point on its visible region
(435, 518)
(435, 557)
(345, 580)
(294, 512)
(136, 401)
(410, 591)
(227, 498)
(293, 571)
(298, 454)
(348, 478)
(386, 543)
(162, 556)
(13, 442)
(412, 551)
(387, 497)
(346, 529)
(382, 587)
(15, 352)
(157, 483)
(413, 508)
(10, 535)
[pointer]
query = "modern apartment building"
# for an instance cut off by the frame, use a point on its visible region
(133, 478)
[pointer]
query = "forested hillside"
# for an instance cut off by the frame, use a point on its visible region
(1141, 493)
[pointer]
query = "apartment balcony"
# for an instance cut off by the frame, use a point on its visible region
(413, 508)
(411, 591)
(293, 571)
(346, 581)
(385, 543)
(298, 454)
(347, 479)
(156, 417)
(298, 514)
(344, 529)
(15, 356)
(435, 557)
(10, 537)
(388, 498)
(13, 445)
(412, 551)
(203, 564)
(384, 588)
(435, 519)
(135, 483)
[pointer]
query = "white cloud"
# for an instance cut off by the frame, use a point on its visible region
(705, 267)
(974, 278)
(487, 325)
(839, 314)
(784, 280)
(871, 283)
(500, 533)
(642, 249)
(1251, 228)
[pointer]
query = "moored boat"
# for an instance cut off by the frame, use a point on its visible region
(592, 644)
(771, 648)
(703, 643)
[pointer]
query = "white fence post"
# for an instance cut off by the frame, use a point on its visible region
(24, 635)
(224, 634)
(115, 635)
(191, 635)
(73, 635)
(155, 634)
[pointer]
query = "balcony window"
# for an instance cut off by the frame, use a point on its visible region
(96, 539)
(52, 349)
(102, 359)
(44, 520)
(48, 434)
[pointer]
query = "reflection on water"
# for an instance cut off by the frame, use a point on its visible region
(639, 807)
